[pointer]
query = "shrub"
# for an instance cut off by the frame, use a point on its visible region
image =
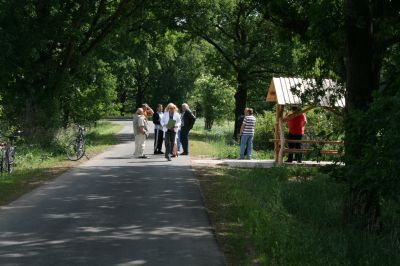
(265, 127)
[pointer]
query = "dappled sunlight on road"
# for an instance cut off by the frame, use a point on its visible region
(112, 210)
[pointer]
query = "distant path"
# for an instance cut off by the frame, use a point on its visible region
(112, 210)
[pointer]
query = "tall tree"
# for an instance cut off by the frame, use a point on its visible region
(45, 42)
(355, 40)
(236, 29)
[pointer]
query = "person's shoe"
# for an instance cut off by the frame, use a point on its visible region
(160, 152)
(143, 157)
(184, 153)
(169, 158)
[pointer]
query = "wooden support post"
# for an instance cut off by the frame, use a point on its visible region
(281, 135)
(276, 134)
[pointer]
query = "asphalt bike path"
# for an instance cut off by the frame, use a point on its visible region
(112, 210)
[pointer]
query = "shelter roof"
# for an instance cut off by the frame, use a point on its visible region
(283, 91)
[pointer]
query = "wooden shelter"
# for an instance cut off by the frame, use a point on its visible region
(285, 91)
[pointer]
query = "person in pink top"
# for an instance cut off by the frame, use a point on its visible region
(296, 123)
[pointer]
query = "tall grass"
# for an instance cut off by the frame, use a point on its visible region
(289, 216)
(34, 164)
(218, 142)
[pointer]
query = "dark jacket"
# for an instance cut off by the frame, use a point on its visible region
(156, 119)
(188, 120)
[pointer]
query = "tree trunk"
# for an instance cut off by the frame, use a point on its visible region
(363, 64)
(240, 99)
(122, 97)
(208, 123)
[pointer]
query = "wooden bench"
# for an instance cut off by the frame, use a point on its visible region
(333, 142)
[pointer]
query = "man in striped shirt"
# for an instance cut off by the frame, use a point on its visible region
(247, 133)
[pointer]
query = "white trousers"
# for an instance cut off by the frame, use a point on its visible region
(140, 141)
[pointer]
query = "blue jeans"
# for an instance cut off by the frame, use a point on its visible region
(246, 140)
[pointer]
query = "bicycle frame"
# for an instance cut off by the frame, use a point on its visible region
(7, 154)
(76, 149)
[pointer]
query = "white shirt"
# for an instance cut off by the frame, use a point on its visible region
(165, 119)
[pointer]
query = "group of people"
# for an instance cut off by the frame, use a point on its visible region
(170, 127)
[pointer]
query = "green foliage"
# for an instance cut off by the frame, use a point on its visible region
(95, 93)
(44, 46)
(216, 98)
(265, 128)
(377, 168)
(245, 40)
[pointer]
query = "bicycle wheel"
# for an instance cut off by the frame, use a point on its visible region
(75, 150)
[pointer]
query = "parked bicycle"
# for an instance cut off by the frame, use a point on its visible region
(76, 148)
(7, 153)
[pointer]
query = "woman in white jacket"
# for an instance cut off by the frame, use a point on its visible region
(171, 121)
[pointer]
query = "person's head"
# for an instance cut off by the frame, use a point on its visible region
(249, 111)
(159, 108)
(145, 106)
(171, 108)
(295, 108)
(245, 111)
(185, 106)
(139, 111)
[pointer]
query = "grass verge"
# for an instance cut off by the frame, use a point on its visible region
(218, 143)
(287, 216)
(35, 165)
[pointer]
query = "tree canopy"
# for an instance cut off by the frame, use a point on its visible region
(68, 61)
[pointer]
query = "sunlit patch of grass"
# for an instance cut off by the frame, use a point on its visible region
(34, 164)
(218, 143)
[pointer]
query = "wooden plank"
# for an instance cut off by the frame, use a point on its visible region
(290, 83)
(271, 96)
(300, 88)
(285, 94)
(311, 141)
(276, 134)
(333, 152)
(282, 136)
(278, 90)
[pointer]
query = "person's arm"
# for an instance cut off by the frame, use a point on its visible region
(289, 116)
(242, 127)
(141, 125)
(164, 120)
(156, 119)
(149, 111)
(304, 121)
(178, 120)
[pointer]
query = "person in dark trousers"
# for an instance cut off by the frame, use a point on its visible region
(239, 126)
(170, 121)
(297, 121)
(158, 130)
(188, 120)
